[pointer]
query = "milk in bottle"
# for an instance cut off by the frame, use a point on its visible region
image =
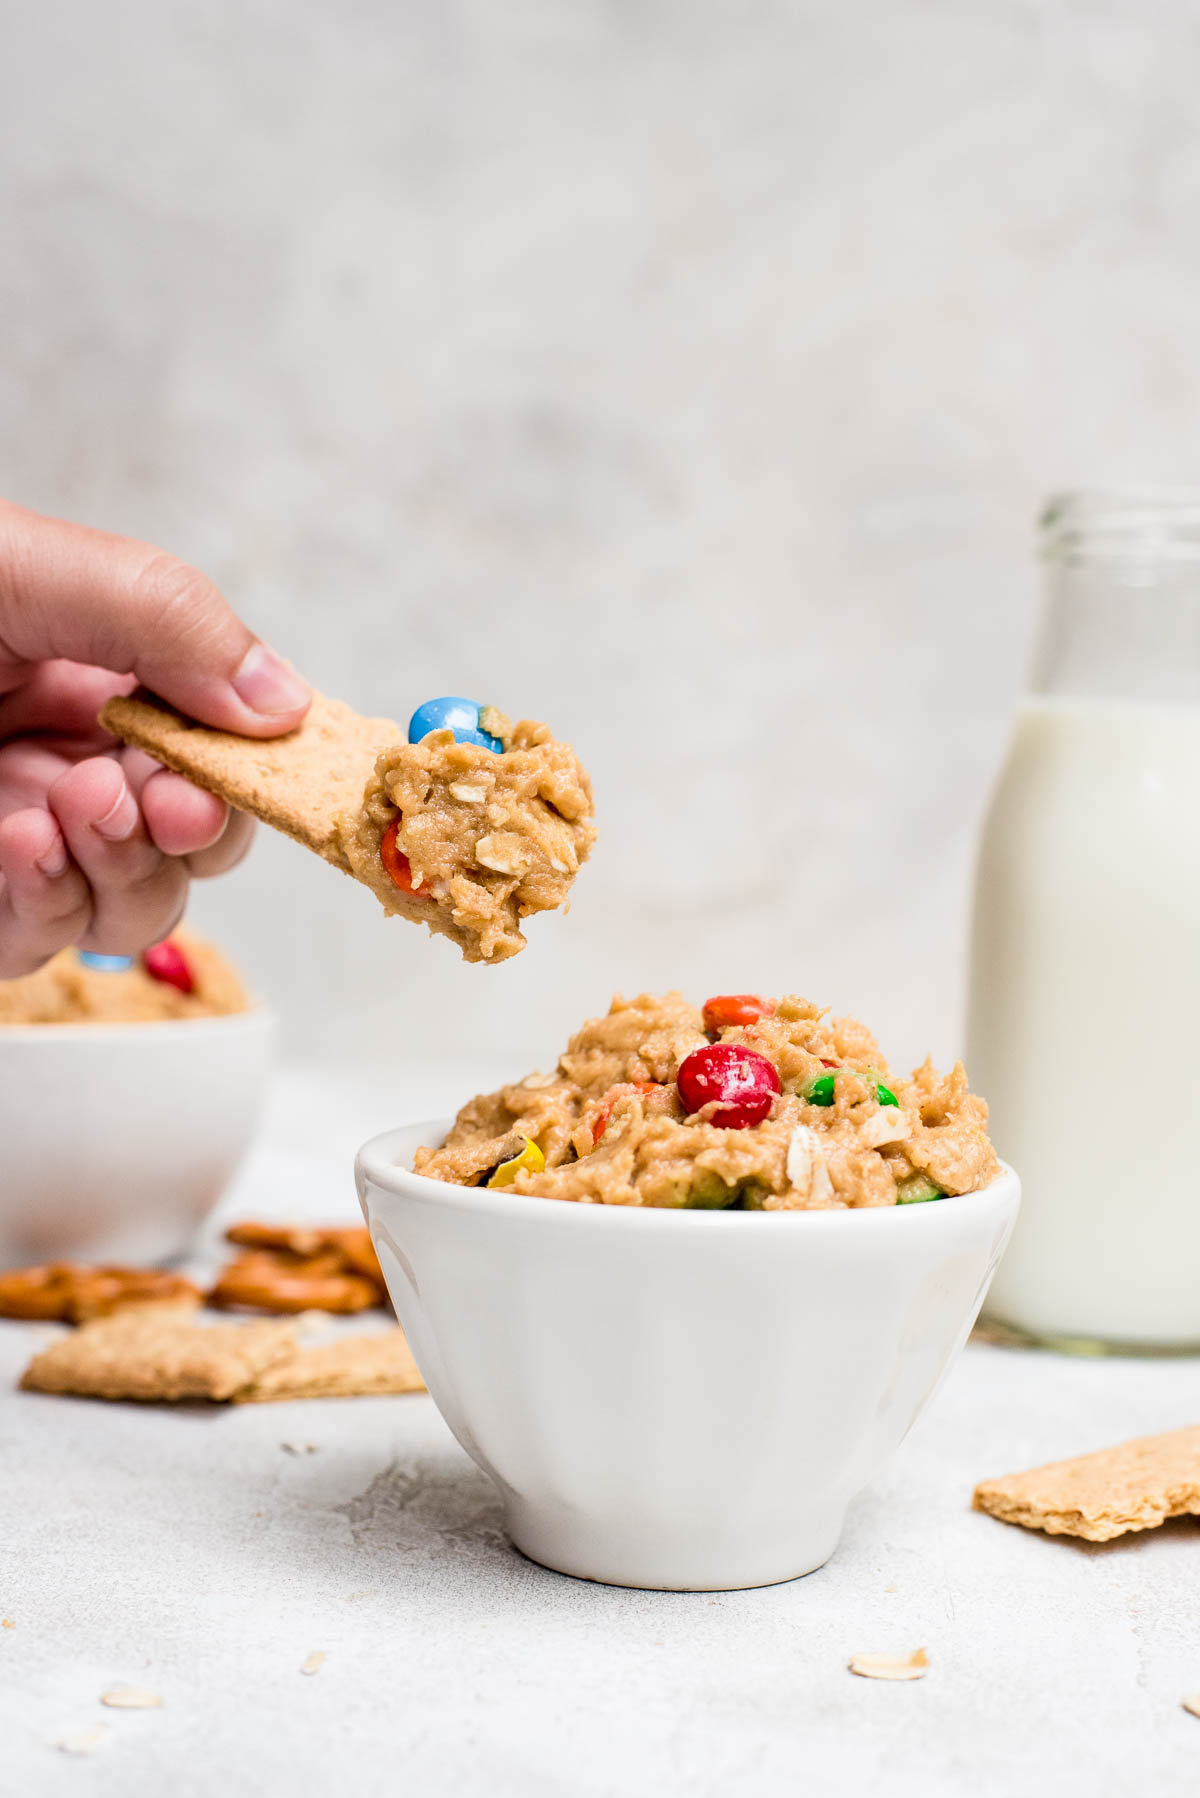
(1084, 1018)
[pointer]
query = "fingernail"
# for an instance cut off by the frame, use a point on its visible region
(56, 861)
(265, 683)
(120, 820)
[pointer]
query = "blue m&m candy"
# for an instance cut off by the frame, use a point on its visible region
(459, 715)
(105, 964)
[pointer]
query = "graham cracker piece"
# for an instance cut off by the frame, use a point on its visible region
(1135, 1486)
(301, 783)
(355, 1366)
(158, 1354)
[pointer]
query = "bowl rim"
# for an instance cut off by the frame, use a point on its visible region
(523, 1206)
(103, 1031)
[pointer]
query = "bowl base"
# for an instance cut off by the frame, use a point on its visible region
(629, 1555)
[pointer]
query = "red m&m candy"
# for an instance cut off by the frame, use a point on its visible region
(743, 1083)
(167, 962)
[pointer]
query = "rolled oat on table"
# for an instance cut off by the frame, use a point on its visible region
(758, 1103)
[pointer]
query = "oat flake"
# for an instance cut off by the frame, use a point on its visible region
(806, 1169)
(314, 1662)
(84, 1741)
(130, 1698)
(888, 1125)
(891, 1666)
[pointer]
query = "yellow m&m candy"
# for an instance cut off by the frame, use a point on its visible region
(530, 1158)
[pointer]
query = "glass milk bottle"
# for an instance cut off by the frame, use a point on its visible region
(1084, 1026)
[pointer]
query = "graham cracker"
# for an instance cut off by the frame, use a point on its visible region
(354, 1366)
(165, 1355)
(158, 1354)
(1135, 1486)
(301, 783)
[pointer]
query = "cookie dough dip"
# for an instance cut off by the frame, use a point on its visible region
(469, 827)
(759, 1103)
(183, 977)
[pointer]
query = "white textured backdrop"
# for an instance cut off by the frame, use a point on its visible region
(684, 373)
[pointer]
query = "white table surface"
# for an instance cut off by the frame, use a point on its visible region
(190, 1552)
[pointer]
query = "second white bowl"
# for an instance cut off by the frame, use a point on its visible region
(677, 1399)
(116, 1140)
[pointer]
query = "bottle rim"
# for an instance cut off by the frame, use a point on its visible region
(1129, 524)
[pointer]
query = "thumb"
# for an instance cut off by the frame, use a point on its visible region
(86, 596)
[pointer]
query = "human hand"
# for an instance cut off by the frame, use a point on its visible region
(97, 842)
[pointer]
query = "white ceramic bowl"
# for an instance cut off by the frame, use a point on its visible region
(677, 1399)
(116, 1140)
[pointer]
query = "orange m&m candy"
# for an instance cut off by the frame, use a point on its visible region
(397, 863)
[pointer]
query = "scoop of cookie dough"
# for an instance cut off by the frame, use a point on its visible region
(446, 833)
(484, 839)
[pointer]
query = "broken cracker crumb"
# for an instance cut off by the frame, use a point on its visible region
(7, 1623)
(1192, 1704)
(890, 1666)
(891, 1588)
(131, 1698)
(84, 1741)
(313, 1662)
